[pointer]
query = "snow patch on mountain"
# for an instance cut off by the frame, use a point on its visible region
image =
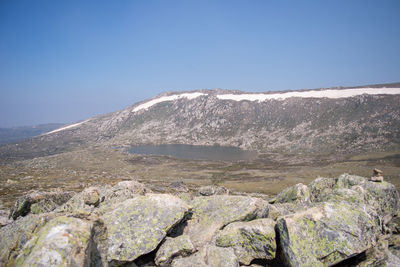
(150, 103)
(67, 127)
(312, 94)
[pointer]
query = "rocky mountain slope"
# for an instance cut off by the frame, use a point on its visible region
(324, 120)
(346, 221)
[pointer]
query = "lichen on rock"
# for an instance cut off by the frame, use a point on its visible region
(249, 240)
(209, 256)
(63, 241)
(180, 246)
(326, 234)
(295, 193)
(138, 225)
(346, 220)
(211, 213)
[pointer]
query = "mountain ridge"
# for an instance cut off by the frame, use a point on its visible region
(278, 122)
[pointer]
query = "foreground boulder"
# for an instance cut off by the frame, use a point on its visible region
(138, 225)
(212, 213)
(15, 235)
(250, 240)
(180, 246)
(345, 221)
(63, 241)
(326, 234)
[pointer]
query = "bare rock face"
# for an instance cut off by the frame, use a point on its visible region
(138, 225)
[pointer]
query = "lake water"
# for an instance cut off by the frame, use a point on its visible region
(195, 152)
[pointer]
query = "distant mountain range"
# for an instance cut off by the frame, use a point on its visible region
(15, 134)
(334, 120)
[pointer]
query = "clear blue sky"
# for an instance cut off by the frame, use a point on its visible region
(64, 61)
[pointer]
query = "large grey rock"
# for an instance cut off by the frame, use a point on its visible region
(213, 212)
(15, 235)
(295, 193)
(326, 234)
(127, 189)
(138, 225)
(209, 190)
(63, 241)
(383, 197)
(178, 187)
(209, 256)
(4, 218)
(180, 246)
(112, 197)
(101, 199)
(377, 255)
(83, 203)
(39, 202)
(386, 196)
(347, 181)
(250, 240)
(321, 187)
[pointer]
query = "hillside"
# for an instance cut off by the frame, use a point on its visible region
(15, 134)
(347, 120)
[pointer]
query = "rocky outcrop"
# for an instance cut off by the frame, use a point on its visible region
(347, 220)
(15, 235)
(139, 224)
(214, 212)
(63, 241)
(210, 190)
(179, 246)
(326, 234)
(298, 193)
(208, 256)
(249, 240)
(39, 202)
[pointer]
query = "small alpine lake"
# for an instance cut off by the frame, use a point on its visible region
(219, 153)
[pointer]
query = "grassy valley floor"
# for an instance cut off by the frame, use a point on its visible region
(268, 174)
